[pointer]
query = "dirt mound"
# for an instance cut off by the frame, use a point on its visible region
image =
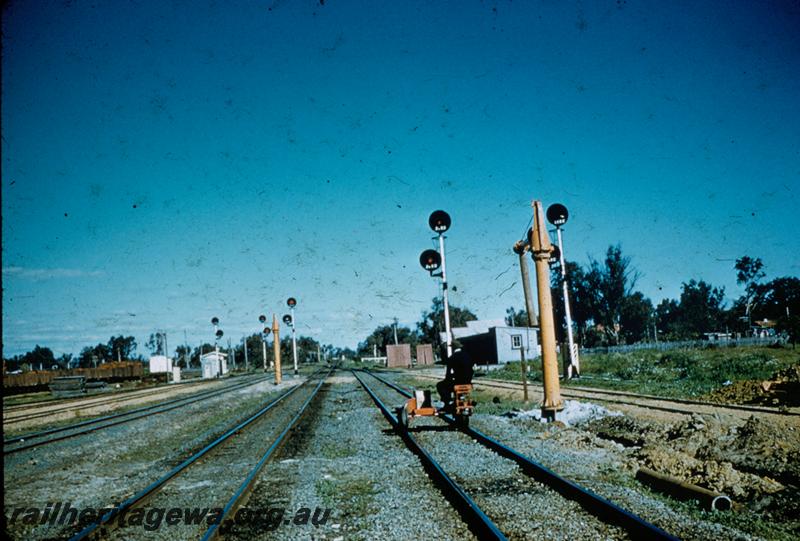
(783, 389)
(720, 477)
(748, 462)
(625, 430)
(759, 447)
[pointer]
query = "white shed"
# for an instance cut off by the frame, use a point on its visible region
(160, 363)
(210, 363)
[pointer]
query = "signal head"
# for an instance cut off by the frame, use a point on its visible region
(291, 302)
(266, 331)
(287, 319)
(262, 318)
(557, 214)
(430, 260)
(215, 321)
(439, 221)
(219, 333)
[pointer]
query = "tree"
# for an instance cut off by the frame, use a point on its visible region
(516, 318)
(198, 351)
(91, 356)
(155, 343)
(432, 322)
(39, 358)
(778, 300)
(255, 351)
(183, 354)
(610, 283)
(635, 317)
(749, 273)
(582, 299)
(667, 319)
(383, 336)
(701, 308)
(64, 360)
(122, 347)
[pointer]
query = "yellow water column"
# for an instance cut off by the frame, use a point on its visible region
(541, 250)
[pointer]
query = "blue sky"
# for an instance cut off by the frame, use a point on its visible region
(167, 162)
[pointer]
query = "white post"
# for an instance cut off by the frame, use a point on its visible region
(216, 351)
(444, 298)
(294, 342)
(264, 349)
(574, 363)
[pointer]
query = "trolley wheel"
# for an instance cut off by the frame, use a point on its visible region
(402, 416)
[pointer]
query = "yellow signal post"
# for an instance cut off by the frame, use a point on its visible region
(541, 249)
(277, 348)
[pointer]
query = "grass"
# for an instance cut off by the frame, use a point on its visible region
(680, 373)
(741, 519)
(337, 450)
(353, 497)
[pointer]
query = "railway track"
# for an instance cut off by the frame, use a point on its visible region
(671, 405)
(464, 499)
(225, 468)
(44, 437)
(24, 412)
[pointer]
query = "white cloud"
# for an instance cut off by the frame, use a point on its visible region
(48, 274)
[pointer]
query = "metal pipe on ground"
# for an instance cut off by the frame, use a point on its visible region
(672, 485)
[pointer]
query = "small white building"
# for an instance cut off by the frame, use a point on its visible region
(211, 362)
(160, 364)
(492, 341)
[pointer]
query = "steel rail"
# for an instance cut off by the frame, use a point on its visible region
(46, 402)
(131, 415)
(91, 402)
(247, 484)
(480, 524)
(149, 490)
(598, 506)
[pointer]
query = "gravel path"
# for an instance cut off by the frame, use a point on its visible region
(105, 467)
(344, 458)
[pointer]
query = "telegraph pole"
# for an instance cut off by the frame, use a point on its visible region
(541, 249)
(521, 248)
(395, 331)
(186, 342)
(244, 343)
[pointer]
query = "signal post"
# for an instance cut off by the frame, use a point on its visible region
(277, 348)
(541, 249)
